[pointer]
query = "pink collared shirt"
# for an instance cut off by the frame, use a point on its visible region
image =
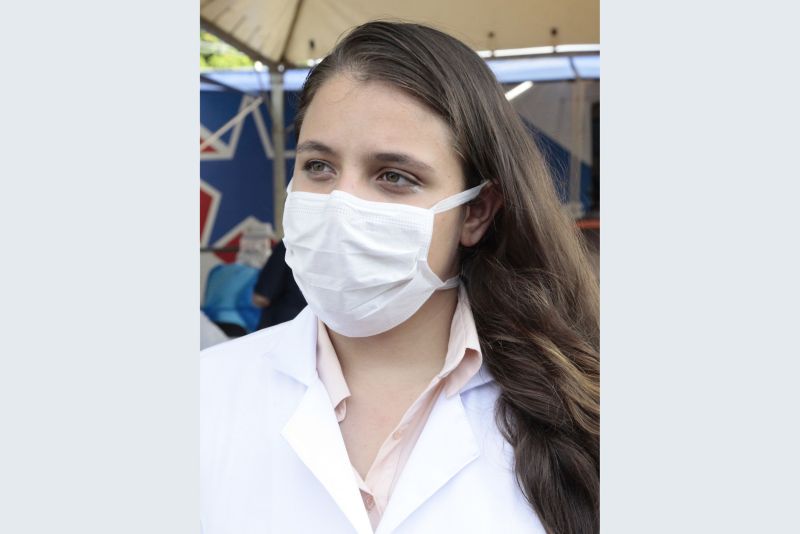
(462, 362)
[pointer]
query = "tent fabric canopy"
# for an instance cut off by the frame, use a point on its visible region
(292, 32)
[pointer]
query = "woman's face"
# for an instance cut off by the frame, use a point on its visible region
(375, 142)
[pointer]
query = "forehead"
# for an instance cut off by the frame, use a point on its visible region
(372, 116)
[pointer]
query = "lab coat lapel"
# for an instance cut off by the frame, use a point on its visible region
(446, 446)
(314, 434)
(295, 350)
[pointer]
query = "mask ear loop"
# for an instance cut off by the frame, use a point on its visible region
(449, 203)
(458, 199)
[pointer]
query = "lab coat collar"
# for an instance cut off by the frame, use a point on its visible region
(295, 351)
(313, 432)
(445, 447)
(483, 376)
(296, 347)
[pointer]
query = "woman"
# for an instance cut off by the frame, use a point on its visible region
(444, 377)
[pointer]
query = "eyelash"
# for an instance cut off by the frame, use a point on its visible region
(412, 183)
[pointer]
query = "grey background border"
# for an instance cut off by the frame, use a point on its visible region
(98, 380)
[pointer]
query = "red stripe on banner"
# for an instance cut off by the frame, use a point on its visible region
(209, 148)
(230, 257)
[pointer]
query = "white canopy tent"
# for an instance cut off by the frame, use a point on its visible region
(295, 33)
(292, 32)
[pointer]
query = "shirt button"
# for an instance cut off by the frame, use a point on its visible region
(369, 502)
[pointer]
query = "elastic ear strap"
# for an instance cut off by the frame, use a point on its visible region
(459, 198)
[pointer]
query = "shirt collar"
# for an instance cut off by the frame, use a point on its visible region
(464, 357)
(330, 371)
(462, 369)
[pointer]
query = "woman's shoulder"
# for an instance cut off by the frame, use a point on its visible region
(260, 340)
(269, 347)
(255, 378)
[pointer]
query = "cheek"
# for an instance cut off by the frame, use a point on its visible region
(443, 254)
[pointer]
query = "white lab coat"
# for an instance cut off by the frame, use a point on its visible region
(273, 459)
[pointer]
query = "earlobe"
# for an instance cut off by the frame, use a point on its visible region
(480, 214)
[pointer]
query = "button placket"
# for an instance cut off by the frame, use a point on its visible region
(369, 501)
(397, 434)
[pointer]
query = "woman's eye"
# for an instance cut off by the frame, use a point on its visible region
(396, 179)
(392, 177)
(315, 166)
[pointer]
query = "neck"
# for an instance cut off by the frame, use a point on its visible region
(408, 355)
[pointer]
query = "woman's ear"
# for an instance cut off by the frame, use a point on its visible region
(480, 213)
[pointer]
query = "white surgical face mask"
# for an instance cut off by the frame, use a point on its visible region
(361, 265)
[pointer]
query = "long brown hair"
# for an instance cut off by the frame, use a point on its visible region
(532, 289)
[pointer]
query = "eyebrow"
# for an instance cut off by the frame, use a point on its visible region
(384, 157)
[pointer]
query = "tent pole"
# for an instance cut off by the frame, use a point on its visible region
(577, 113)
(279, 140)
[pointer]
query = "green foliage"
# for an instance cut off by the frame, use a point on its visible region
(216, 54)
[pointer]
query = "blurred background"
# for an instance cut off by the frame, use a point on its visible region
(254, 57)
